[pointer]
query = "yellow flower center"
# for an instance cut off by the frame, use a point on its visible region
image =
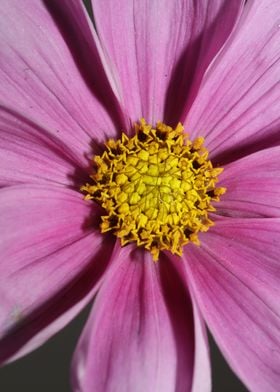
(156, 188)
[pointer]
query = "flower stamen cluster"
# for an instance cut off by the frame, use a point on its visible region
(156, 188)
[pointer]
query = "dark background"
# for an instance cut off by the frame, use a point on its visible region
(47, 369)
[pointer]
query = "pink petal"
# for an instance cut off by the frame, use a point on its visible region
(253, 186)
(159, 50)
(51, 259)
(51, 73)
(202, 371)
(30, 154)
(237, 108)
(140, 334)
(235, 277)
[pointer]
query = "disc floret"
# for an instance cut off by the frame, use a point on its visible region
(156, 188)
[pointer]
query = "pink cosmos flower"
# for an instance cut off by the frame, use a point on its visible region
(66, 87)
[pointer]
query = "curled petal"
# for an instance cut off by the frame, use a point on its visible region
(52, 74)
(30, 154)
(235, 278)
(237, 108)
(140, 334)
(201, 381)
(49, 252)
(159, 50)
(253, 186)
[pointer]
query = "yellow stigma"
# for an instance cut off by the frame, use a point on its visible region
(156, 188)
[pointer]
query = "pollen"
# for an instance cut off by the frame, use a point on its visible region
(156, 188)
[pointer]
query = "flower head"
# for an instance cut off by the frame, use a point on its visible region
(91, 193)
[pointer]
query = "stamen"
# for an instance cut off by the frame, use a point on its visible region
(156, 188)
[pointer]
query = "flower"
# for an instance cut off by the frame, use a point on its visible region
(66, 88)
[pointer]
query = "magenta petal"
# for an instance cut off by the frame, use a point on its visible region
(45, 75)
(48, 251)
(159, 50)
(202, 369)
(253, 186)
(30, 154)
(237, 107)
(235, 277)
(201, 381)
(140, 334)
